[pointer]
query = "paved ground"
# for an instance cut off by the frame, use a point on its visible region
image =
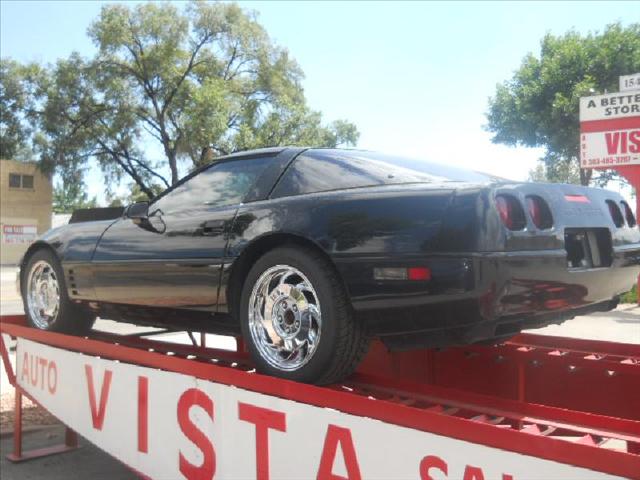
(10, 301)
(622, 325)
(87, 462)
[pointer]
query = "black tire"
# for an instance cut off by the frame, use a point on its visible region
(71, 318)
(343, 340)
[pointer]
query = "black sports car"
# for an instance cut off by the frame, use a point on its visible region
(309, 252)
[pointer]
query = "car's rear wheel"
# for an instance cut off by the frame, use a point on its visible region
(46, 303)
(296, 318)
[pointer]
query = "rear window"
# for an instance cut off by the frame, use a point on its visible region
(324, 170)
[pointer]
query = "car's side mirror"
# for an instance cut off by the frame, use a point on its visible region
(137, 211)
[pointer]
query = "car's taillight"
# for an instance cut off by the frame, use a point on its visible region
(539, 212)
(511, 212)
(628, 214)
(616, 214)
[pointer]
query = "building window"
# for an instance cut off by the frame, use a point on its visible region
(20, 181)
(27, 181)
(14, 180)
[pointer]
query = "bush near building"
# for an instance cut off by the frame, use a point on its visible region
(631, 296)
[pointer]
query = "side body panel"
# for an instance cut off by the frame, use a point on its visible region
(359, 228)
(170, 261)
(75, 244)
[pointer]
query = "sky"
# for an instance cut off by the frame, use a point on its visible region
(415, 77)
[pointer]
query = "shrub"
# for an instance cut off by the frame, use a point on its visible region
(631, 296)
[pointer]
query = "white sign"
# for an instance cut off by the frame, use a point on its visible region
(607, 149)
(172, 426)
(19, 233)
(630, 82)
(609, 106)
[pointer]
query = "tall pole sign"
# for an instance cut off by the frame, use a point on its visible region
(630, 82)
(610, 133)
(610, 130)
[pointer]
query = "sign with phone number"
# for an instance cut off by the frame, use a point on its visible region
(15, 234)
(614, 148)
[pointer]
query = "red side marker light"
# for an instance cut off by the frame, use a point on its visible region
(419, 273)
(576, 198)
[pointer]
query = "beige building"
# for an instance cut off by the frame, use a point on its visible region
(25, 208)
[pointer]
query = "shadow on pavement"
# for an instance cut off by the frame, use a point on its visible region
(87, 462)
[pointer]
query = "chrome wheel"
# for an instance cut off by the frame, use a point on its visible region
(284, 317)
(43, 295)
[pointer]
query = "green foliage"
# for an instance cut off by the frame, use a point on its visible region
(538, 174)
(16, 100)
(198, 82)
(70, 195)
(539, 105)
(631, 296)
(12, 99)
(135, 195)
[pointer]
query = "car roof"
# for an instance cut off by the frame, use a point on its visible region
(257, 152)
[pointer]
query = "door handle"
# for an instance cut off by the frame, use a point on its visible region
(213, 227)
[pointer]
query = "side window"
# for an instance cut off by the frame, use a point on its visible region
(14, 180)
(17, 180)
(321, 171)
(325, 170)
(27, 181)
(225, 183)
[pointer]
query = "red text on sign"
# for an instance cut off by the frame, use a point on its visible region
(40, 372)
(206, 471)
(98, 411)
(338, 436)
(623, 142)
(264, 419)
(432, 463)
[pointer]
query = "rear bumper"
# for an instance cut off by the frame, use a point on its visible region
(484, 296)
(540, 282)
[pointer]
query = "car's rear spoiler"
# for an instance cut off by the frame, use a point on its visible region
(93, 214)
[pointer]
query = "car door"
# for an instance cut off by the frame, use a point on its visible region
(173, 258)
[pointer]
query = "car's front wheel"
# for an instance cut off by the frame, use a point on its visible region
(296, 318)
(45, 298)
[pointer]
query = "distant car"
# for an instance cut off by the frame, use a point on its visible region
(310, 252)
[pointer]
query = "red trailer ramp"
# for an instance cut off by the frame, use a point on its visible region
(176, 411)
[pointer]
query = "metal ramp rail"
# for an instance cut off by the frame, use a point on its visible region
(560, 402)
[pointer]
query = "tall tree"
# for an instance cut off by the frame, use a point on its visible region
(11, 104)
(168, 90)
(71, 195)
(204, 81)
(539, 105)
(16, 99)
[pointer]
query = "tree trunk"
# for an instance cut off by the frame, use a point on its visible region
(173, 165)
(146, 190)
(585, 176)
(170, 152)
(585, 173)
